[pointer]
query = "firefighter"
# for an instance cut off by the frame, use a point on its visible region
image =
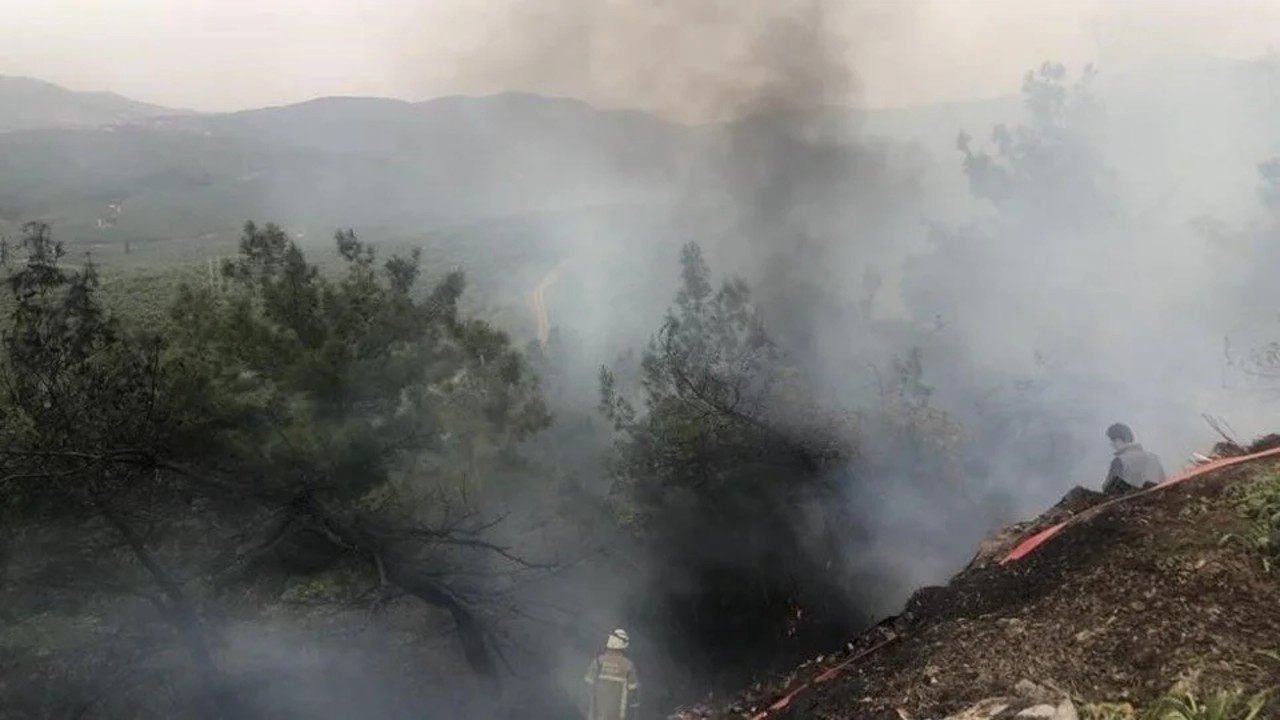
(1133, 467)
(613, 686)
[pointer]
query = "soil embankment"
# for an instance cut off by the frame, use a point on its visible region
(1175, 586)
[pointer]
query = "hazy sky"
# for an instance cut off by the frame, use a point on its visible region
(226, 54)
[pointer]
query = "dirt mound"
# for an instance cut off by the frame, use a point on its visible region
(1265, 442)
(1117, 607)
(1231, 449)
(995, 547)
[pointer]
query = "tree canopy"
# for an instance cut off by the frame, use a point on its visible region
(725, 465)
(282, 424)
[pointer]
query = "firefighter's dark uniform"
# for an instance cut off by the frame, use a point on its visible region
(615, 688)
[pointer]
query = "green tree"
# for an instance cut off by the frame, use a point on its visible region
(724, 466)
(1057, 237)
(77, 394)
(297, 425)
(1245, 254)
(1049, 168)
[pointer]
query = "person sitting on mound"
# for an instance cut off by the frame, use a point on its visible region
(1133, 467)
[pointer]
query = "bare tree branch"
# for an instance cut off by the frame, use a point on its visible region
(361, 536)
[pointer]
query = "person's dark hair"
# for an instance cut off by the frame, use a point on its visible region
(1120, 432)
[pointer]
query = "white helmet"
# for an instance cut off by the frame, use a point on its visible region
(618, 640)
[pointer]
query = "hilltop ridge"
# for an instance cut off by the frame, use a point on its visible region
(27, 103)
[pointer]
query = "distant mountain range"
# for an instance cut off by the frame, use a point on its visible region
(27, 103)
(100, 166)
(105, 169)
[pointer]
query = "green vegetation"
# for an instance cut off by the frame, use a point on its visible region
(1258, 500)
(723, 467)
(210, 432)
(279, 428)
(289, 433)
(1220, 705)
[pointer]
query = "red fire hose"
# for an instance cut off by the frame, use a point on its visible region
(828, 674)
(1026, 547)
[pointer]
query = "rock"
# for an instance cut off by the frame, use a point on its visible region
(1006, 709)
(1031, 691)
(984, 710)
(1065, 710)
(1014, 625)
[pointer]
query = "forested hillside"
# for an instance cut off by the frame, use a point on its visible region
(484, 379)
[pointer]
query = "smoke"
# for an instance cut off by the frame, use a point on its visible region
(786, 190)
(783, 189)
(698, 60)
(776, 183)
(1058, 299)
(1042, 315)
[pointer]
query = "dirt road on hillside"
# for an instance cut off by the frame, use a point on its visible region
(538, 301)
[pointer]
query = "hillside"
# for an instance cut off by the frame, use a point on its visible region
(106, 170)
(380, 165)
(28, 103)
(741, 389)
(1167, 592)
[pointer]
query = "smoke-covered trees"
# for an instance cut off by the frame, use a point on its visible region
(1057, 239)
(288, 426)
(725, 468)
(1056, 216)
(360, 377)
(719, 395)
(81, 401)
(1047, 170)
(1247, 255)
